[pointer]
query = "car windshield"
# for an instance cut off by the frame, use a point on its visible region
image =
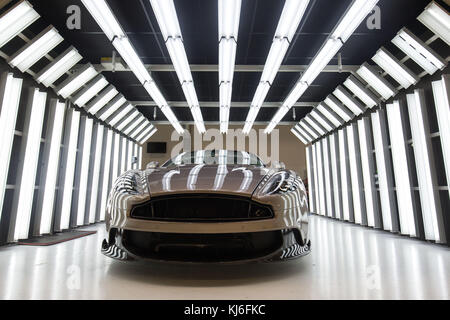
(215, 157)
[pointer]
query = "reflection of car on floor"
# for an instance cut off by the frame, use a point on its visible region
(208, 206)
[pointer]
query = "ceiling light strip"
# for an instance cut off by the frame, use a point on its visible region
(352, 18)
(292, 14)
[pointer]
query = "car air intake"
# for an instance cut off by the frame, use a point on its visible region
(201, 208)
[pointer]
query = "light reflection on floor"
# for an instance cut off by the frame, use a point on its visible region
(347, 262)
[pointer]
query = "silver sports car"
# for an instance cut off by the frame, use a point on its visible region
(208, 206)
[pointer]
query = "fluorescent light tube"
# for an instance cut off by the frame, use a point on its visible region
(321, 60)
(359, 90)
(102, 13)
(168, 113)
(101, 100)
(378, 83)
(347, 99)
(96, 172)
(229, 14)
(145, 139)
(91, 89)
(332, 116)
(384, 167)
(54, 141)
(224, 119)
(290, 18)
(155, 93)
(72, 143)
(227, 57)
(307, 126)
(395, 68)
(282, 111)
(327, 177)
(433, 220)
(75, 81)
(84, 172)
(419, 51)
(335, 172)
(141, 119)
(128, 53)
(307, 135)
(116, 159)
(352, 18)
(436, 18)
(339, 108)
(179, 59)
(344, 166)
(123, 160)
(111, 107)
(10, 90)
(299, 136)
(274, 59)
(128, 120)
(15, 20)
(403, 184)
(190, 94)
(441, 94)
(225, 94)
(34, 50)
(133, 134)
(167, 18)
(121, 114)
(324, 122)
(106, 174)
(58, 67)
(32, 137)
(315, 125)
(144, 133)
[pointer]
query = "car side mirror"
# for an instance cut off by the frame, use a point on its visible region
(279, 165)
(152, 165)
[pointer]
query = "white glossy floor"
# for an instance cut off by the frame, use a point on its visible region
(347, 262)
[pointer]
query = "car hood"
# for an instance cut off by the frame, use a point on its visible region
(230, 179)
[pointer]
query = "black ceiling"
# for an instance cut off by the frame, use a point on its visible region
(198, 21)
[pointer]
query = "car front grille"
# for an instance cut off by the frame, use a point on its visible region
(201, 208)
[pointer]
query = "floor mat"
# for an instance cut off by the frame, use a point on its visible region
(55, 238)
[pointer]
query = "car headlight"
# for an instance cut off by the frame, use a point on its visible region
(279, 182)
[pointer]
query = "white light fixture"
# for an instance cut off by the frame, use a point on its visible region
(111, 107)
(339, 108)
(378, 83)
(101, 100)
(75, 81)
(128, 120)
(84, 172)
(322, 120)
(332, 116)
(168, 22)
(290, 18)
(306, 126)
(276, 119)
(15, 20)
(148, 136)
(10, 90)
(315, 125)
(355, 174)
(121, 114)
(437, 20)
(395, 68)
(58, 67)
(123, 160)
(105, 18)
(352, 18)
(419, 51)
(299, 136)
(30, 165)
(403, 185)
(91, 89)
(139, 120)
(335, 172)
(327, 177)
(304, 133)
(133, 134)
(384, 167)
(34, 50)
(167, 111)
(347, 99)
(347, 201)
(102, 13)
(441, 93)
(106, 174)
(72, 142)
(228, 14)
(310, 176)
(116, 159)
(96, 172)
(51, 176)
(433, 220)
(359, 90)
